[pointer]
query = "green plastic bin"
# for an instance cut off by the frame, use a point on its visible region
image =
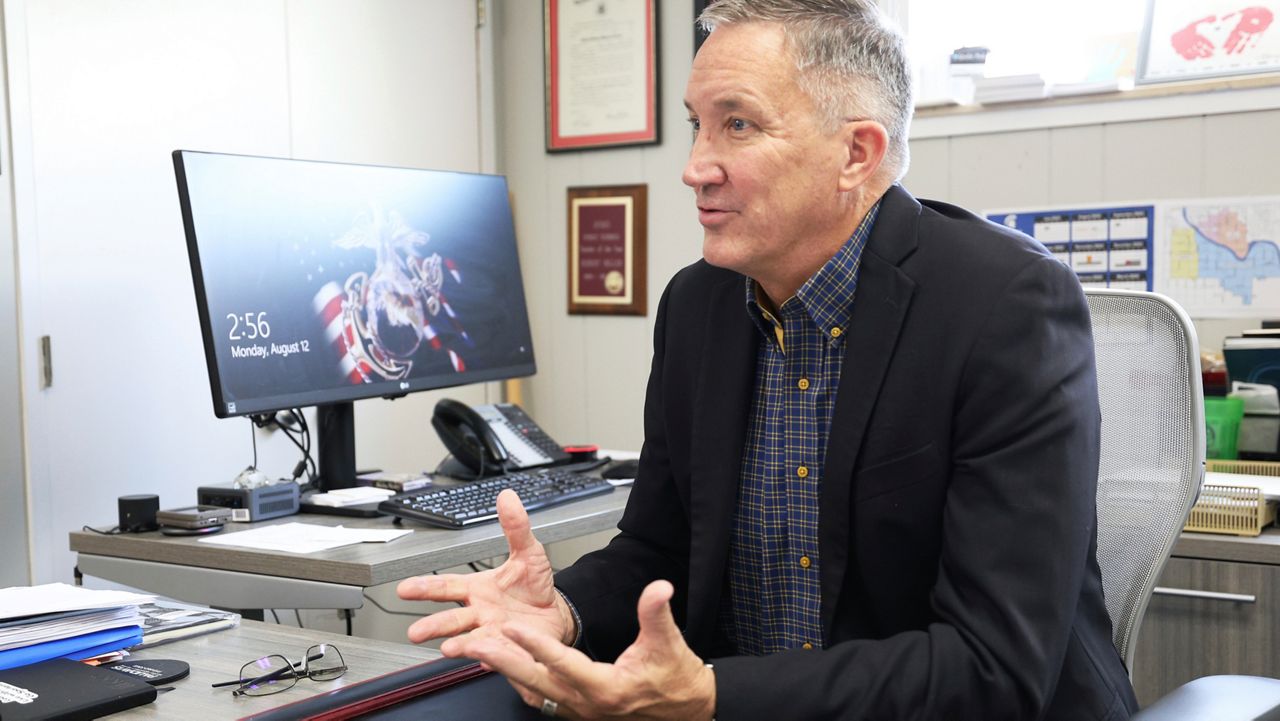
(1222, 425)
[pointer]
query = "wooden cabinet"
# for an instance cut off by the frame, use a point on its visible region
(1225, 620)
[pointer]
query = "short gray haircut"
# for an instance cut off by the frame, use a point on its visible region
(851, 58)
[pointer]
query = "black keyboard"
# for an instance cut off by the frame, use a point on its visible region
(476, 502)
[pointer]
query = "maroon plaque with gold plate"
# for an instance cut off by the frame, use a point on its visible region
(607, 228)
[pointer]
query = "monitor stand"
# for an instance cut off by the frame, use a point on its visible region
(336, 458)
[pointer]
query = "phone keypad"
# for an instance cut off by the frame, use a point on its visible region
(530, 431)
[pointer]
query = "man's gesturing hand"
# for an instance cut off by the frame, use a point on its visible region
(519, 590)
(657, 677)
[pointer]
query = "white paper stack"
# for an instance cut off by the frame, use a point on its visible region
(358, 495)
(20, 601)
(51, 627)
(1008, 88)
(1058, 90)
(56, 620)
(166, 620)
(304, 537)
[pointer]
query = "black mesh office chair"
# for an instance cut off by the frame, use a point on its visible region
(1151, 468)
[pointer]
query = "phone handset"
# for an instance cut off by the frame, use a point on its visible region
(493, 438)
(468, 437)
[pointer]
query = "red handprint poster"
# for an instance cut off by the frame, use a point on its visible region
(1188, 39)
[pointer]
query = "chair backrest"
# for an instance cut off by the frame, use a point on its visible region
(1153, 432)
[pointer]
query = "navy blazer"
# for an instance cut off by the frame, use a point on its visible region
(957, 520)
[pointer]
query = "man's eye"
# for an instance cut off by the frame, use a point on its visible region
(695, 125)
(738, 124)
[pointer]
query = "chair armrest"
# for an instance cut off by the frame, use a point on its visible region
(1218, 698)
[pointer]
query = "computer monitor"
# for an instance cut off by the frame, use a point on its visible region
(323, 283)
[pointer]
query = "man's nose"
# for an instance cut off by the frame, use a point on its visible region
(703, 167)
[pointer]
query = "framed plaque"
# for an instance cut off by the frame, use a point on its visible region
(1193, 39)
(607, 229)
(601, 73)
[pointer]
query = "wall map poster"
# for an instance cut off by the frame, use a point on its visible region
(1217, 257)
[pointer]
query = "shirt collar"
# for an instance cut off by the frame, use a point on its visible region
(827, 296)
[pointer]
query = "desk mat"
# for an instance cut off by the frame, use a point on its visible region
(456, 689)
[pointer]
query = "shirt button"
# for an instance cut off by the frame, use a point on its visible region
(803, 471)
(805, 562)
(807, 647)
(803, 384)
(835, 332)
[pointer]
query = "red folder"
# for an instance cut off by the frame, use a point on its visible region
(457, 689)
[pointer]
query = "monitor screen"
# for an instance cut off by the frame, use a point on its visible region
(321, 283)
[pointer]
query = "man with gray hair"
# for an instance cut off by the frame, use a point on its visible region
(871, 437)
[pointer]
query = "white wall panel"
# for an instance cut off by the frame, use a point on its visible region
(1013, 166)
(112, 88)
(930, 173)
(1242, 154)
(15, 569)
(102, 91)
(390, 82)
(1075, 164)
(1157, 159)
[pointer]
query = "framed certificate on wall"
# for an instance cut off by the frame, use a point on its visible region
(601, 69)
(607, 229)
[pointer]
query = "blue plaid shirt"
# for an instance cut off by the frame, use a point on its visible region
(775, 594)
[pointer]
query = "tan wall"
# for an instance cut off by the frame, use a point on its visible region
(592, 369)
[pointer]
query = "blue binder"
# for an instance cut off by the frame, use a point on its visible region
(76, 647)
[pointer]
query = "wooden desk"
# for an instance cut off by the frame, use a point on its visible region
(243, 578)
(1185, 637)
(218, 657)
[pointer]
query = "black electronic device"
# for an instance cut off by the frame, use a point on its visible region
(252, 504)
(318, 284)
(183, 531)
(494, 438)
(194, 516)
(138, 512)
(462, 506)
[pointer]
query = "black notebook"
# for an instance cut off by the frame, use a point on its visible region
(68, 691)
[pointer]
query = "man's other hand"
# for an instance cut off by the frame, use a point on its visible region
(657, 677)
(519, 590)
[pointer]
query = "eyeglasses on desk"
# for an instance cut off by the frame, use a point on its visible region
(275, 673)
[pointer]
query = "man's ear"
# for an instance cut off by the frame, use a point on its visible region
(866, 142)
